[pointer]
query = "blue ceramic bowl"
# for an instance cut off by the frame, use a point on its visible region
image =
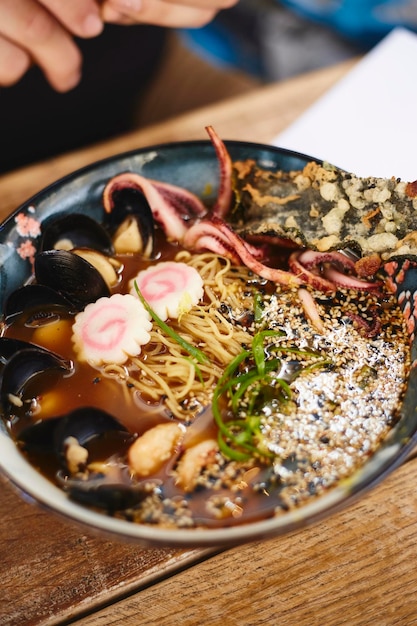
(192, 165)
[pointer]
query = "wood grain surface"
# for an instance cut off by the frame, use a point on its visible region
(257, 116)
(52, 569)
(356, 568)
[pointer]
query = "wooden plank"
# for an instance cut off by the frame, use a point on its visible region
(356, 568)
(51, 569)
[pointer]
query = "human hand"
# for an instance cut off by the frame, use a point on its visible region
(41, 32)
(167, 13)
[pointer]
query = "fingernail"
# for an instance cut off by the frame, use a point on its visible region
(127, 5)
(92, 25)
(111, 15)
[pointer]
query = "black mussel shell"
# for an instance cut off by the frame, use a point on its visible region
(71, 276)
(112, 491)
(85, 424)
(33, 298)
(75, 230)
(9, 347)
(105, 493)
(23, 367)
(39, 437)
(130, 202)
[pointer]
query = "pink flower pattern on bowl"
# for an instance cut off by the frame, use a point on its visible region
(30, 228)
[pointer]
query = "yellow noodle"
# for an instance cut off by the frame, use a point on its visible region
(122, 374)
(221, 347)
(164, 371)
(154, 393)
(171, 395)
(115, 371)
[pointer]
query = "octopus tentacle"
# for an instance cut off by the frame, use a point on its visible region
(310, 309)
(307, 276)
(368, 329)
(350, 282)
(184, 202)
(170, 205)
(205, 235)
(185, 219)
(312, 258)
(305, 263)
(225, 192)
(218, 237)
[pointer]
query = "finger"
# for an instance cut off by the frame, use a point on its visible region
(29, 26)
(157, 13)
(80, 17)
(14, 63)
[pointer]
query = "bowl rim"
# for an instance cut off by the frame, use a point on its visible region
(48, 496)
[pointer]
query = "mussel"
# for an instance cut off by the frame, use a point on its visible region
(128, 227)
(86, 444)
(36, 301)
(84, 424)
(25, 364)
(75, 230)
(105, 492)
(9, 347)
(110, 268)
(71, 276)
(66, 281)
(75, 264)
(131, 221)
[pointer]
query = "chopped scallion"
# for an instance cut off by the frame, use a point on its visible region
(193, 351)
(247, 390)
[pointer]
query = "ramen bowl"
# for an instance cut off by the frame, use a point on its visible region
(194, 166)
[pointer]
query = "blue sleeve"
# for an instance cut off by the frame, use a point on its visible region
(364, 21)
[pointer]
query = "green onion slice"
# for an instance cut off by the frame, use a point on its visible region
(193, 351)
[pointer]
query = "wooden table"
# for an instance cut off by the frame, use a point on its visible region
(358, 568)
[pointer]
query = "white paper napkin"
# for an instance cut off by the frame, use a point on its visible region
(367, 122)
